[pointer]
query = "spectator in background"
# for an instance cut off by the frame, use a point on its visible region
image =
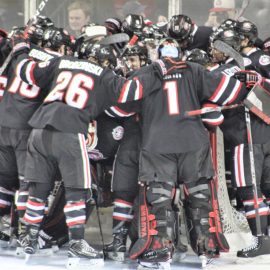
(133, 7)
(222, 10)
(78, 16)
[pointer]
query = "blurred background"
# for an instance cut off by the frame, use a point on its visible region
(17, 12)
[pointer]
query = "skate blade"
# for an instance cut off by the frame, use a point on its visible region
(4, 244)
(179, 256)
(262, 259)
(19, 252)
(205, 261)
(83, 263)
(154, 265)
(116, 256)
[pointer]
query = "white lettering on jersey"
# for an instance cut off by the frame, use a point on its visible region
(39, 55)
(89, 67)
(231, 71)
(247, 61)
(173, 76)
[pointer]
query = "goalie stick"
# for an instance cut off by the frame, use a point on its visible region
(228, 50)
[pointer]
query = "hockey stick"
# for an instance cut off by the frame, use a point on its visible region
(212, 109)
(243, 8)
(225, 48)
(116, 38)
(229, 51)
(9, 57)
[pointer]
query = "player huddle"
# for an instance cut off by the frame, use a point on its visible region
(112, 109)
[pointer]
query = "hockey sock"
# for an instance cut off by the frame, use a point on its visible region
(6, 198)
(122, 214)
(251, 215)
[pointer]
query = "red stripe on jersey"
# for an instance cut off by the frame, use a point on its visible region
(236, 94)
(218, 88)
(32, 73)
(122, 92)
(121, 111)
(140, 88)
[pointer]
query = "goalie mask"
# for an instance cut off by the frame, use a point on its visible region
(169, 47)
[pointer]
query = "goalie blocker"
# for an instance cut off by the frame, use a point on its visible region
(258, 100)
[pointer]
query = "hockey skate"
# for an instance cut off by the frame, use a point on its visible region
(155, 259)
(260, 248)
(81, 255)
(4, 240)
(117, 248)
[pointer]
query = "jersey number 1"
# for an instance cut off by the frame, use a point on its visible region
(172, 94)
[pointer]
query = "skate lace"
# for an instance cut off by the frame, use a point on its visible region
(254, 245)
(84, 245)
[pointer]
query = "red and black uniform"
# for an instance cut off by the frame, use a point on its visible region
(235, 133)
(19, 102)
(78, 92)
(176, 148)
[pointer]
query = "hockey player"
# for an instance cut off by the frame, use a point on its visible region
(126, 167)
(13, 122)
(79, 92)
(172, 142)
(188, 34)
(234, 131)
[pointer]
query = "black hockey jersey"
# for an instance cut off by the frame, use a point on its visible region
(259, 61)
(166, 129)
(81, 90)
(234, 125)
(21, 99)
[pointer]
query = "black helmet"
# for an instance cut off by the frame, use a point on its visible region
(229, 23)
(101, 54)
(113, 25)
(198, 56)
(37, 26)
(230, 37)
(54, 37)
(133, 24)
(180, 27)
(139, 50)
(248, 29)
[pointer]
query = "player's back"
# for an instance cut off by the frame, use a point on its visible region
(20, 100)
(165, 127)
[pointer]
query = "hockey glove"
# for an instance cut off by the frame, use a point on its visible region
(249, 77)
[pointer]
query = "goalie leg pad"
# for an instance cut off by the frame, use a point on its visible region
(203, 222)
(158, 196)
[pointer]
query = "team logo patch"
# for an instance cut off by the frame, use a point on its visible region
(118, 133)
(247, 62)
(264, 60)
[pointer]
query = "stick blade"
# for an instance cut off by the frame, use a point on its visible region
(228, 50)
(116, 38)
